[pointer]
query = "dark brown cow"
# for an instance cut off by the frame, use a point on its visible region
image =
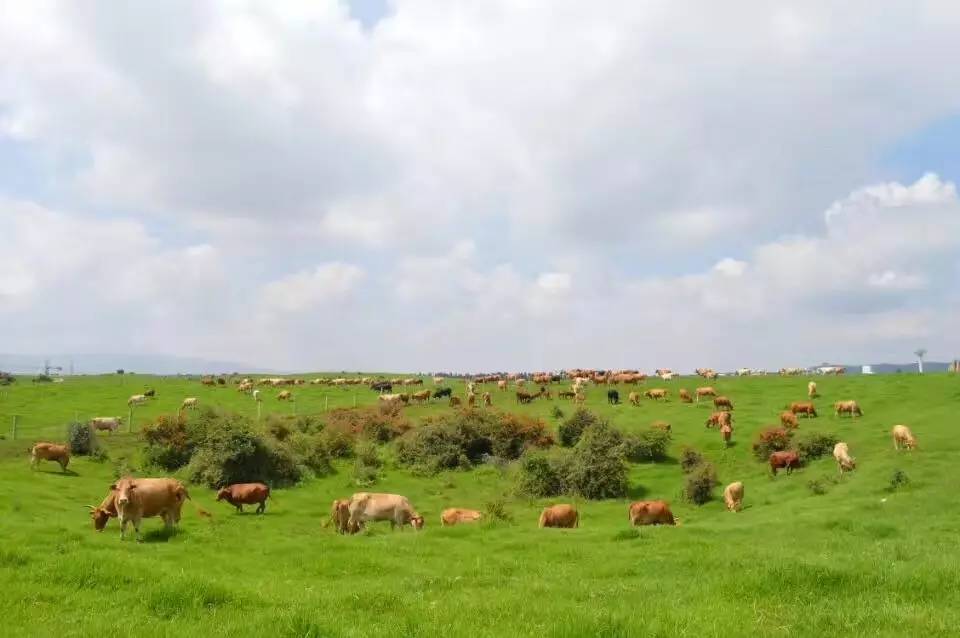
(787, 459)
(559, 516)
(650, 513)
(240, 494)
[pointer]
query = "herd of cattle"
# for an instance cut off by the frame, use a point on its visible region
(132, 499)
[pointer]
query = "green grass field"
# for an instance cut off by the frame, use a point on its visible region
(857, 560)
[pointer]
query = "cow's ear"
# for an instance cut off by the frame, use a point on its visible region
(113, 487)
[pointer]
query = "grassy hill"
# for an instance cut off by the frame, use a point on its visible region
(859, 559)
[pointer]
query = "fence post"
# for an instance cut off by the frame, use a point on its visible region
(130, 420)
(14, 433)
(326, 400)
(259, 405)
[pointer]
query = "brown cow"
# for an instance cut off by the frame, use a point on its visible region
(685, 396)
(285, 395)
(50, 452)
(726, 430)
(655, 394)
(789, 420)
(902, 436)
(136, 499)
(340, 516)
(650, 513)
(421, 397)
(487, 399)
(787, 459)
(240, 494)
(456, 515)
(803, 407)
(454, 402)
(559, 516)
(370, 506)
(847, 407)
(706, 391)
(722, 402)
(105, 423)
(719, 418)
(733, 496)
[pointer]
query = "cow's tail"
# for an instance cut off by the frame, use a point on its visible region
(200, 511)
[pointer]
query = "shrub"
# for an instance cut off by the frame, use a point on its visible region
(597, 466)
(81, 440)
(510, 434)
(169, 444)
(309, 451)
(278, 429)
(381, 423)
(99, 455)
(497, 511)
(573, 428)
(337, 442)
(541, 475)
(648, 445)
(690, 459)
(556, 412)
(820, 486)
(769, 440)
(366, 467)
(898, 480)
(813, 445)
(6, 378)
(700, 483)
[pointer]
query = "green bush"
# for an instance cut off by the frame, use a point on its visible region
(366, 467)
(597, 466)
(556, 412)
(690, 459)
(310, 452)
(541, 475)
(380, 423)
(820, 486)
(169, 443)
(813, 445)
(573, 428)
(770, 440)
(648, 445)
(496, 510)
(898, 480)
(700, 483)
(6, 378)
(338, 443)
(81, 440)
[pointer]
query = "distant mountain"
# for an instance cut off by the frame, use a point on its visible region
(105, 363)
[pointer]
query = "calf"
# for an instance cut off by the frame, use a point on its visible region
(559, 516)
(685, 396)
(457, 515)
(650, 513)
(787, 459)
(50, 452)
(340, 516)
(903, 437)
(726, 431)
(240, 494)
(733, 496)
(634, 398)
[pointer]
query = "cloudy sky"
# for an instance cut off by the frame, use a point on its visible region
(417, 184)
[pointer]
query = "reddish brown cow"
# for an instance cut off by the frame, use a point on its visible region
(559, 516)
(787, 459)
(240, 494)
(789, 420)
(340, 516)
(685, 396)
(50, 452)
(650, 513)
(722, 402)
(726, 431)
(805, 408)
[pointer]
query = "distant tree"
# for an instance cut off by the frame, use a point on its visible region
(920, 352)
(120, 371)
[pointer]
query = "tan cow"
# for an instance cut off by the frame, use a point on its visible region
(502, 385)
(190, 403)
(847, 407)
(726, 431)
(789, 420)
(471, 399)
(487, 399)
(656, 394)
(421, 397)
(845, 463)
(650, 513)
(903, 437)
(562, 515)
(370, 506)
(50, 452)
(340, 517)
(284, 395)
(457, 515)
(139, 498)
(733, 496)
(137, 399)
(685, 396)
(812, 390)
(634, 398)
(105, 423)
(437, 380)
(723, 402)
(803, 407)
(706, 391)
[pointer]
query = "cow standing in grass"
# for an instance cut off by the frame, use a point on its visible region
(50, 452)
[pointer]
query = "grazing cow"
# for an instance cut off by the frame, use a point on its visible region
(136, 499)
(284, 395)
(733, 496)
(656, 394)
(208, 381)
(382, 386)
(487, 399)
(634, 398)
(256, 395)
(190, 403)
(388, 398)
(661, 425)
(101, 514)
(50, 452)
(457, 515)
(650, 513)
(502, 385)
(437, 380)
(369, 506)
(246, 386)
(442, 392)
(108, 423)
(566, 394)
(726, 431)
(454, 402)
(722, 402)
(805, 408)
(520, 383)
(714, 419)
(787, 459)
(421, 397)
(685, 396)
(525, 397)
(613, 397)
(789, 420)
(812, 390)
(340, 516)
(559, 516)
(137, 399)
(240, 494)
(847, 407)
(706, 391)
(903, 437)
(845, 463)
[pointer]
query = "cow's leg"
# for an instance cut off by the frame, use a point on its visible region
(240, 508)
(123, 528)
(136, 529)
(262, 508)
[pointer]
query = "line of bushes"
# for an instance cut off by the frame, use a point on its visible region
(809, 445)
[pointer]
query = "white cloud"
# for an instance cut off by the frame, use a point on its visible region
(304, 290)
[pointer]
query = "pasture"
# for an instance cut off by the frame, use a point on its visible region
(860, 559)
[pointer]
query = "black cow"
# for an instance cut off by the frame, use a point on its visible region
(613, 397)
(439, 393)
(382, 386)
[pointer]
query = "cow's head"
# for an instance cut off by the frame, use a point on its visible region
(124, 491)
(416, 521)
(222, 493)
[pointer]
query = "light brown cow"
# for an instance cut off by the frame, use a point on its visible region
(139, 498)
(421, 397)
(562, 515)
(789, 420)
(50, 452)
(685, 396)
(726, 431)
(284, 395)
(340, 517)
(487, 399)
(903, 437)
(105, 423)
(733, 496)
(502, 385)
(706, 391)
(137, 399)
(634, 398)
(240, 494)
(845, 463)
(370, 506)
(812, 390)
(455, 401)
(722, 402)
(719, 418)
(847, 407)
(803, 407)
(656, 394)
(650, 513)
(190, 403)
(457, 515)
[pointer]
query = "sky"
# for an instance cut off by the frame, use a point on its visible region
(425, 185)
